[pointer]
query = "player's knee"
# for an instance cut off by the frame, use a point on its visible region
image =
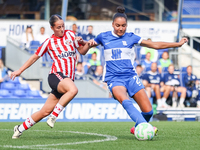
(157, 87)
(168, 87)
(184, 90)
(74, 91)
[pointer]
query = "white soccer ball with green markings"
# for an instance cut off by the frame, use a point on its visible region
(144, 131)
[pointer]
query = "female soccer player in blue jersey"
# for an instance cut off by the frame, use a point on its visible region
(119, 72)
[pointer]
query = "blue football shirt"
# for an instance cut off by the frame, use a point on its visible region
(118, 54)
(187, 79)
(153, 77)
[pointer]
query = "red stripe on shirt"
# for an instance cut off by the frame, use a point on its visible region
(59, 51)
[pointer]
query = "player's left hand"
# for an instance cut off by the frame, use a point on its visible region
(92, 43)
(80, 40)
(183, 41)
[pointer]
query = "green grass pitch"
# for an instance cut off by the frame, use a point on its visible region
(100, 136)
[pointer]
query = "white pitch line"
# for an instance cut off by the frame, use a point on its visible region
(108, 138)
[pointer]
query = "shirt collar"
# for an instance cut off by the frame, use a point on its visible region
(116, 34)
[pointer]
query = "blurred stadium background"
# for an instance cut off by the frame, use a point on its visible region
(160, 20)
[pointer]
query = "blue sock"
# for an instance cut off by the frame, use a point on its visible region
(147, 115)
(134, 114)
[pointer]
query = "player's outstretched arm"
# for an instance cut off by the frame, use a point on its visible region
(83, 49)
(27, 64)
(162, 45)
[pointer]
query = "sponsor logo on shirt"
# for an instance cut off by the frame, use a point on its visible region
(66, 54)
(124, 43)
(68, 42)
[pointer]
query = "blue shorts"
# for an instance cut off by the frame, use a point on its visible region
(133, 84)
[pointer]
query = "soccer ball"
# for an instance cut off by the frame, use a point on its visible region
(144, 131)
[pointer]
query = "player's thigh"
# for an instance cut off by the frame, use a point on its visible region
(180, 89)
(50, 103)
(120, 93)
(162, 88)
(67, 85)
(143, 101)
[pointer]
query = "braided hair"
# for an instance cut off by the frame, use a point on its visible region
(120, 13)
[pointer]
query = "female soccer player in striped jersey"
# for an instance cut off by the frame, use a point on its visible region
(61, 48)
(119, 72)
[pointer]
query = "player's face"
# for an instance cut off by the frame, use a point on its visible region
(29, 30)
(58, 28)
(154, 67)
(79, 67)
(119, 25)
(171, 69)
(99, 70)
(189, 70)
(139, 70)
(42, 30)
(94, 56)
(74, 28)
(90, 29)
(165, 55)
(148, 56)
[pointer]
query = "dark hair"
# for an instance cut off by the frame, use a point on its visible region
(120, 13)
(28, 26)
(94, 53)
(139, 66)
(54, 18)
(79, 63)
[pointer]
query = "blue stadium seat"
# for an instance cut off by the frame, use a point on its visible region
(33, 46)
(183, 69)
(15, 81)
(164, 71)
(19, 93)
(5, 93)
(142, 57)
(182, 74)
(146, 69)
(85, 69)
(25, 86)
(34, 94)
(8, 86)
(137, 52)
(46, 60)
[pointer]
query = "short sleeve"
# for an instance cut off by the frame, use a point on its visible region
(76, 44)
(98, 39)
(135, 38)
(43, 48)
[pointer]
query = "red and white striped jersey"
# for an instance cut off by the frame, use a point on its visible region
(62, 51)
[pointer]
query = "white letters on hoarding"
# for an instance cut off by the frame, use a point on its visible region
(18, 111)
(74, 111)
(157, 31)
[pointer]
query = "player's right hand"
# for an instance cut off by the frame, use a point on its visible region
(92, 43)
(15, 74)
